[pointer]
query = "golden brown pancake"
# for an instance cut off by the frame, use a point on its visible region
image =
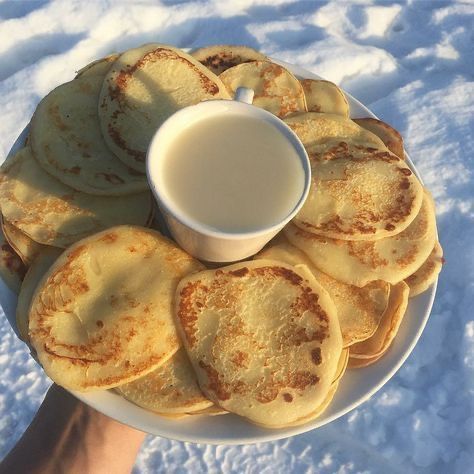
(172, 388)
(359, 310)
(98, 67)
(102, 315)
(359, 194)
(276, 89)
(378, 344)
(219, 58)
(315, 128)
(12, 269)
(425, 276)
(67, 142)
(144, 87)
(313, 415)
(263, 339)
(213, 410)
(324, 97)
(360, 363)
(391, 137)
(342, 365)
(51, 213)
(25, 247)
(357, 263)
(35, 273)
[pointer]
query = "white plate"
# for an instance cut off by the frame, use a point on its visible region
(356, 386)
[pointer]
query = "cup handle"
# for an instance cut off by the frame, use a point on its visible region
(244, 94)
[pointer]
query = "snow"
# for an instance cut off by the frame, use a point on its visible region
(412, 63)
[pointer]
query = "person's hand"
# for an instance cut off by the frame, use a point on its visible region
(68, 436)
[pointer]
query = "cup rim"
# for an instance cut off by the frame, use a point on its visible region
(197, 226)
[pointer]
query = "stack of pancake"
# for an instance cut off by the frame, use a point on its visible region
(105, 302)
(367, 231)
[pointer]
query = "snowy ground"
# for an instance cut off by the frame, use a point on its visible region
(412, 63)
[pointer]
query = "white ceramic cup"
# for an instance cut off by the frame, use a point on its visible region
(192, 236)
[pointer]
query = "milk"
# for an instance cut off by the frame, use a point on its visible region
(232, 173)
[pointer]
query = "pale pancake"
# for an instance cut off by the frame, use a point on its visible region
(52, 213)
(35, 273)
(359, 310)
(378, 344)
(12, 269)
(172, 416)
(324, 97)
(170, 389)
(143, 88)
(66, 141)
(342, 365)
(219, 58)
(25, 247)
(360, 363)
(98, 68)
(310, 417)
(276, 89)
(337, 148)
(213, 410)
(264, 341)
(359, 262)
(360, 194)
(102, 316)
(321, 408)
(315, 128)
(391, 137)
(426, 275)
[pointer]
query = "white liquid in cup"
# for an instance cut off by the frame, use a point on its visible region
(233, 174)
